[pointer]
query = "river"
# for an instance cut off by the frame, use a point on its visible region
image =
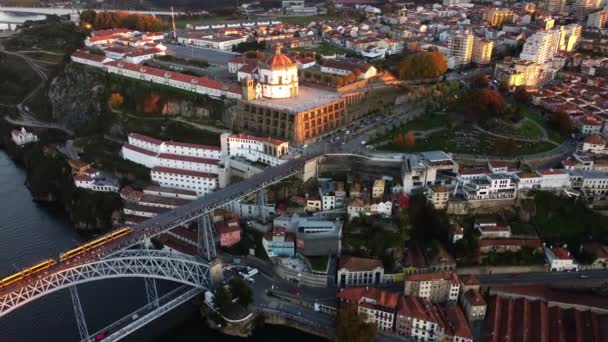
(30, 233)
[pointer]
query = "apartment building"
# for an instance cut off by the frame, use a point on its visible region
(518, 72)
(482, 51)
(541, 46)
(437, 287)
(460, 49)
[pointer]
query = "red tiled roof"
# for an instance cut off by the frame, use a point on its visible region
(458, 322)
(140, 150)
(550, 172)
(381, 297)
(188, 158)
(561, 253)
(474, 297)
(85, 54)
(189, 145)
(225, 229)
(432, 276)
(531, 243)
(473, 171)
(595, 140)
(356, 264)
(145, 138)
(161, 169)
(344, 65)
(278, 61)
(83, 178)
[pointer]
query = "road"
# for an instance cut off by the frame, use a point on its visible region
(540, 277)
(212, 56)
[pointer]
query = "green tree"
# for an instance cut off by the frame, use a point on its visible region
(562, 122)
(222, 299)
(331, 7)
(351, 327)
(240, 290)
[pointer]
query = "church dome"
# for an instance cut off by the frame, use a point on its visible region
(278, 60)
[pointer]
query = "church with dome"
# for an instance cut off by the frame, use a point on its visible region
(275, 78)
(275, 104)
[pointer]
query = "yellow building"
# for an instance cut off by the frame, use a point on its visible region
(496, 17)
(518, 72)
(482, 50)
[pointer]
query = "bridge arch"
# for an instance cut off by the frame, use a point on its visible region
(156, 264)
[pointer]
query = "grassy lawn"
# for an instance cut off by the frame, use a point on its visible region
(318, 263)
(303, 20)
(537, 117)
(169, 130)
(464, 139)
(323, 49)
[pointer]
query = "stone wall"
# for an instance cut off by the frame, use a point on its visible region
(479, 207)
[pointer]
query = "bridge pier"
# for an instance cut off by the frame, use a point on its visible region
(206, 238)
(80, 320)
(262, 204)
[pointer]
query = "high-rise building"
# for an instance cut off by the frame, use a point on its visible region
(570, 34)
(541, 46)
(517, 73)
(496, 17)
(555, 6)
(587, 6)
(482, 50)
(460, 49)
(598, 19)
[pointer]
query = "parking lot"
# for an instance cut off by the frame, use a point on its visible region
(214, 57)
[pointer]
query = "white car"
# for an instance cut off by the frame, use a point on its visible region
(304, 146)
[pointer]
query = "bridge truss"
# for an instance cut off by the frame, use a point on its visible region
(156, 264)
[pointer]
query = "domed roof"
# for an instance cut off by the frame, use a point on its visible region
(278, 60)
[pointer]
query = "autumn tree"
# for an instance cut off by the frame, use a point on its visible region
(387, 8)
(115, 101)
(422, 65)
(352, 327)
(480, 81)
(88, 16)
(483, 104)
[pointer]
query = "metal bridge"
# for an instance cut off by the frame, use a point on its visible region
(118, 259)
(66, 11)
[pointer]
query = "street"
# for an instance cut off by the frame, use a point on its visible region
(540, 277)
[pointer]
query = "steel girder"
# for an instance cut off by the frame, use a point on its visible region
(184, 269)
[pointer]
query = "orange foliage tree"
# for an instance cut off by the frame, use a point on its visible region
(115, 100)
(405, 140)
(421, 65)
(140, 22)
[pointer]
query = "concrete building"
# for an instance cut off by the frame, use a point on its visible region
(436, 287)
(422, 169)
(597, 19)
(22, 137)
(460, 49)
(377, 306)
(593, 185)
(496, 17)
(438, 195)
(279, 242)
(315, 236)
(211, 40)
(255, 149)
(492, 186)
(569, 37)
(490, 229)
(201, 182)
(332, 195)
(559, 259)
(473, 305)
(594, 144)
(518, 72)
(555, 6)
(355, 271)
(527, 180)
(229, 235)
(378, 188)
(423, 320)
(342, 68)
(541, 46)
(482, 51)
(554, 179)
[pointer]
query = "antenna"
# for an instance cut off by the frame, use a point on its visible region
(173, 21)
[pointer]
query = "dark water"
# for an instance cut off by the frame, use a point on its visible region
(30, 233)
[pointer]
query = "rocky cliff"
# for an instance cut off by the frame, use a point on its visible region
(77, 95)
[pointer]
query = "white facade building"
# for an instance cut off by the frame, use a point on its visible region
(460, 47)
(554, 179)
(22, 137)
(255, 149)
(436, 287)
(355, 271)
(560, 259)
(212, 41)
(541, 46)
(200, 182)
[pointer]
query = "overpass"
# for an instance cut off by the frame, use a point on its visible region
(66, 11)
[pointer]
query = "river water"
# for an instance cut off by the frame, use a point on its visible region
(30, 233)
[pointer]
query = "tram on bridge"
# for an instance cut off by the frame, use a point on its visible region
(44, 265)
